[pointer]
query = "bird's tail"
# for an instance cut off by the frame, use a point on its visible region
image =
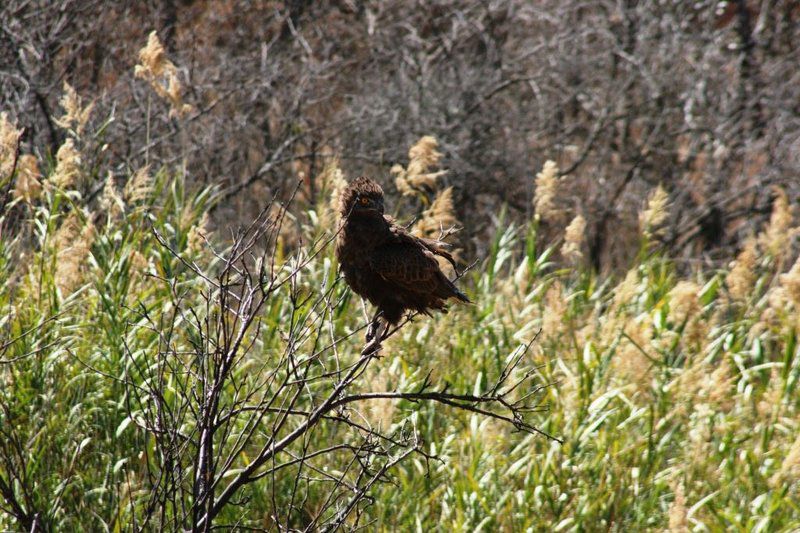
(448, 289)
(461, 296)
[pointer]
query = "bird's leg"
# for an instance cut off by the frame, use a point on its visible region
(373, 326)
(375, 334)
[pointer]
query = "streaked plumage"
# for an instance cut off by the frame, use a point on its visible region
(384, 263)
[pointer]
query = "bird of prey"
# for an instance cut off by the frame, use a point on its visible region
(382, 262)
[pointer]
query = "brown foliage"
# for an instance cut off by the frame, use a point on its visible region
(621, 95)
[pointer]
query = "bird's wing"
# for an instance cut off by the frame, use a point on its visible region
(440, 248)
(437, 247)
(408, 265)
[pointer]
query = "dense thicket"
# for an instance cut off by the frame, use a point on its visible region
(698, 96)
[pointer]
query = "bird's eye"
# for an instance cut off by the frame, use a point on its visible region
(364, 200)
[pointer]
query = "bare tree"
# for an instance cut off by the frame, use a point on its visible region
(230, 399)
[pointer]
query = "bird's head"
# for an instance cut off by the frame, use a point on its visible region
(363, 197)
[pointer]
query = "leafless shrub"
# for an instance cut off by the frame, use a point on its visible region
(252, 382)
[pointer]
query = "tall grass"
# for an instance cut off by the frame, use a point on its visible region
(673, 389)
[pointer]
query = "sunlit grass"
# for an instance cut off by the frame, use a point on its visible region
(673, 389)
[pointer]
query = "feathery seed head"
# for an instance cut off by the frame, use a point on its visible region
(791, 283)
(28, 185)
(742, 276)
(778, 303)
(627, 289)
(705, 384)
(153, 59)
(573, 240)
(9, 138)
(554, 311)
(333, 180)
(161, 73)
(417, 176)
(790, 467)
(546, 190)
(424, 153)
(718, 390)
(656, 212)
(68, 160)
(678, 513)
(775, 237)
(110, 201)
(439, 217)
(198, 234)
(683, 301)
(771, 402)
(73, 242)
(400, 180)
(139, 186)
(75, 114)
(630, 361)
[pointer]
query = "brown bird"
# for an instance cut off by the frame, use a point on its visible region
(384, 263)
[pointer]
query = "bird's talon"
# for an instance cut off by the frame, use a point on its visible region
(370, 331)
(372, 349)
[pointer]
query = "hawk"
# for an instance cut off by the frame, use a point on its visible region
(382, 262)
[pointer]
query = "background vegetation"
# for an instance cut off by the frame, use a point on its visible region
(622, 94)
(127, 220)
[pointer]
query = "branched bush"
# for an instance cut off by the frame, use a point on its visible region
(159, 378)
